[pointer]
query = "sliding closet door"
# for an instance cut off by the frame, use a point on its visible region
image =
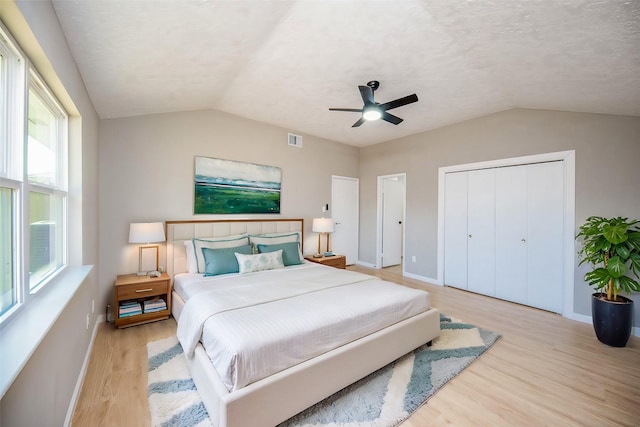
(511, 233)
(545, 214)
(481, 232)
(455, 230)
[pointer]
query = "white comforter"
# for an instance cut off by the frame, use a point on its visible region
(254, 325)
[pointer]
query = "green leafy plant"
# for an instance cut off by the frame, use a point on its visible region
(612, 245)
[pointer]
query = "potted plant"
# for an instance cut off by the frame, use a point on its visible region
(612, 247)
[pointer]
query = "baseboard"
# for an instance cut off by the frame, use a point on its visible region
(366, 264)
(635, 331)
(428, 280)
(578, 317)
(83, 371)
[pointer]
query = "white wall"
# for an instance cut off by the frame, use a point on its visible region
(607, 173)
(42, 392)
(147, 172)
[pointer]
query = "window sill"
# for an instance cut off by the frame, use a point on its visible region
(25, 330)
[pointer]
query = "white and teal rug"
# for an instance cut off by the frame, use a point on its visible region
(383, 399)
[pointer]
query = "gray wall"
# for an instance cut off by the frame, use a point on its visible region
(607, 173)
(41, 394)
(147, 167)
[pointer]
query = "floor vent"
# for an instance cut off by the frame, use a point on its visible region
(295, 140)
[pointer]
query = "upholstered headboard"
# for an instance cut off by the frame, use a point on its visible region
(179, 231)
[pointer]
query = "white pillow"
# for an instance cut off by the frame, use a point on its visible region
(215, 243)
(259, 262)
(274, 239)
(192, 263)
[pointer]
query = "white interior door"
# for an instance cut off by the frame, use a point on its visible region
(455, 230)
(545, 235)
(392, 220)
(344, 212)
(481, 232)
(511, 233)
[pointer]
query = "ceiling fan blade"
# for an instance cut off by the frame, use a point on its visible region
(399, 102)
(354, 110)
(391, 118)
(360, 121)
(367, 94)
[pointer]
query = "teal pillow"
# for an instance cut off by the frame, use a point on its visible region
(223, 261)
(290, 252)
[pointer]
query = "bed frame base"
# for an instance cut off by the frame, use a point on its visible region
(279, 397)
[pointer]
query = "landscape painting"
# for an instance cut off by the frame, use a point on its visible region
(228, 187)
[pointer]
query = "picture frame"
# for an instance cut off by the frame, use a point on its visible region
(231, 187)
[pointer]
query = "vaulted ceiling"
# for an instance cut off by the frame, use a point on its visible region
(287, 62)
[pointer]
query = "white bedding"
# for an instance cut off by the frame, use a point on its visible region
(254, 325)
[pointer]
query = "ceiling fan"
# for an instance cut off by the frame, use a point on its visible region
(371, 110)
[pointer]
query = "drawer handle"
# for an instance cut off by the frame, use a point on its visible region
(143, 290)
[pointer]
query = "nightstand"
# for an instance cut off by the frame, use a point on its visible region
(337, 261)
(138, 299)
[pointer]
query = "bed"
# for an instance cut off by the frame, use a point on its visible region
(238, 387)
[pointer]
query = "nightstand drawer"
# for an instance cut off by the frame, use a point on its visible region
(142, 290)
(337, 262)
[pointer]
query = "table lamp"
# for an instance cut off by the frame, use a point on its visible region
(147, 232)
(322, 226)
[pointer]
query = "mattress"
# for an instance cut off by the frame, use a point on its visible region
(254, 325)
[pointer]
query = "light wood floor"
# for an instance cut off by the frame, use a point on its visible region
(544, 371)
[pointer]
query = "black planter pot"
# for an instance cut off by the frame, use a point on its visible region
(612, 321)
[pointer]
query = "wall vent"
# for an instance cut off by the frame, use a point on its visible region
(295, 140)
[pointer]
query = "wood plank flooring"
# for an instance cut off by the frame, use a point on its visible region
(544, 371)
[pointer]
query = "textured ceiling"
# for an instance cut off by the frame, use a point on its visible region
(287, 62)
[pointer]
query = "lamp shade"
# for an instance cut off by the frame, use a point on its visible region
(322, 225)
(146, 232)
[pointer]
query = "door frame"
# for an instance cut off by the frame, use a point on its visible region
(402, 175)
(569, 159)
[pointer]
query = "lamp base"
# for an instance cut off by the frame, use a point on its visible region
(317, 256)
(141, 273)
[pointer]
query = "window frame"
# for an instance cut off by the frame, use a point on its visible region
(59, 188)
(19, 76)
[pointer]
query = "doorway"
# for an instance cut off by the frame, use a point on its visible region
(391, 221)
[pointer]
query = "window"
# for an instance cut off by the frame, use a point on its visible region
(46, 151)
(33, 180)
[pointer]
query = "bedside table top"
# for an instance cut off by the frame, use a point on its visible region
(128, 279)
(322, 258)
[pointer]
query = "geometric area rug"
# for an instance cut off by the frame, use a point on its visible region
(384, 398)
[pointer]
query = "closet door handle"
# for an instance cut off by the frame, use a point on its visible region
(470, 236)
(523, 241)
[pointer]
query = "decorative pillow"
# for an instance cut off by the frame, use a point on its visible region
(259, 262)
(223, 261)
(216, 243)
(192, 262)
(290, 252)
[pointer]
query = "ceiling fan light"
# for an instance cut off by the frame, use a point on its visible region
(371, 113)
